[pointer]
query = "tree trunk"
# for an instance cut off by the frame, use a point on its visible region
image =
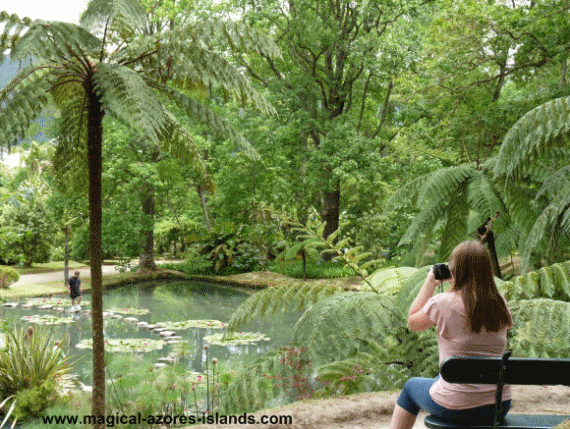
(201, 193)
(147, 255)
(330, 214)
(66, 257)
(94, 154)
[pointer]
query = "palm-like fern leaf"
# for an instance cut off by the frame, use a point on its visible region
(207, 117)
(122, 16)
(23, 107)
(548, 282)
(125, 93)
(13, 27)
(241, 37)
(367, 371)
(541, 328)
(294, 296)
(337, 326)
(544, 126)
(388, 281)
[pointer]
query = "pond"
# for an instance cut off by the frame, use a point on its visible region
(201, 310)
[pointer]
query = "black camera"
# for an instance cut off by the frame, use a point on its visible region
(441, 272)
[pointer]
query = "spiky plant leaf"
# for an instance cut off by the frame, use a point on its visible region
(337, 326)
(541, 328)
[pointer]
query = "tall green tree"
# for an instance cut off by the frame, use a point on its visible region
(112, 64)
(333, 84)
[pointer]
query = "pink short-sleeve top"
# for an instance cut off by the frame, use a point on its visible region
(447, 311)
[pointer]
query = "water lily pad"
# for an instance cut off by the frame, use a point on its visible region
(129, 310)
(47, 319)
(54, 300)
(186, 324)
(237, 338)
(125, 344)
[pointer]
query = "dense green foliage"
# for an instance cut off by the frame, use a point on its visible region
(400, 127)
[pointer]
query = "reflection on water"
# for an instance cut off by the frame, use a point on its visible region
(166, 301)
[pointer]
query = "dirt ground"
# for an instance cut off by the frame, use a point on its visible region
(374, 410)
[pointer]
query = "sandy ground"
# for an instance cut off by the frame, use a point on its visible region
(374, 410)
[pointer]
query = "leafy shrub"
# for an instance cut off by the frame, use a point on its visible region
(57, 254)
(317, 270)
(7, 276)
(32, 401)
(195, 263)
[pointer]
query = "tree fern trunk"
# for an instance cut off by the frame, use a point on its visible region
(147, 255)
(94, 154)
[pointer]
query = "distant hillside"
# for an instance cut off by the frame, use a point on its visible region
(8, 70)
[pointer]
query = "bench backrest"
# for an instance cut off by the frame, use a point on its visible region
(485, 370)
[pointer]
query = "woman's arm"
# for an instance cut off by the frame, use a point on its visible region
(418, 320)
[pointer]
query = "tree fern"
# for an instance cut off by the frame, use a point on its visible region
(548, 282)
(448, 198)
(366, 371)
(388, 281)
(296, 295)
(337, 326)
(533, 134)
(541, 328)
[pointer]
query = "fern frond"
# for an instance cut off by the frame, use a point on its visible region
(192, 62)
(535, 132)
(13, 28)
(207, 117)
(541, 328)
(62, 40)
(337, 326)
(22, 107)
(121, 16)
(253, 388)
(365, 372)
(455, 229)
(388, 281)
(547, 222)
(125, 93)
(405, 194)
(292, 296)
(442, 184)
(410, 289)
(548, 282)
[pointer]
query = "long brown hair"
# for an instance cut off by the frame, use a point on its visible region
(470, 266)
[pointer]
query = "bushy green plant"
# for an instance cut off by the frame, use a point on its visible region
(194, 263)
(32, 401)
(315, 270)
(7, 276)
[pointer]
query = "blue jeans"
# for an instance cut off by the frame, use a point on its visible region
(415, 396)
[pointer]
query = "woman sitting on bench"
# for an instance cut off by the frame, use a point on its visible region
(472, 319)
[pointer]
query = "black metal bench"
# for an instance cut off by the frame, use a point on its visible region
(501, 371)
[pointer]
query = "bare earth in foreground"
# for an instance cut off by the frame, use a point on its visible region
(374, 410)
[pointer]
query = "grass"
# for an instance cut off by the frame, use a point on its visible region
(47, 267)
(110, 281)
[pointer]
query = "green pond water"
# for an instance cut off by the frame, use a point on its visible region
(170, 301)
